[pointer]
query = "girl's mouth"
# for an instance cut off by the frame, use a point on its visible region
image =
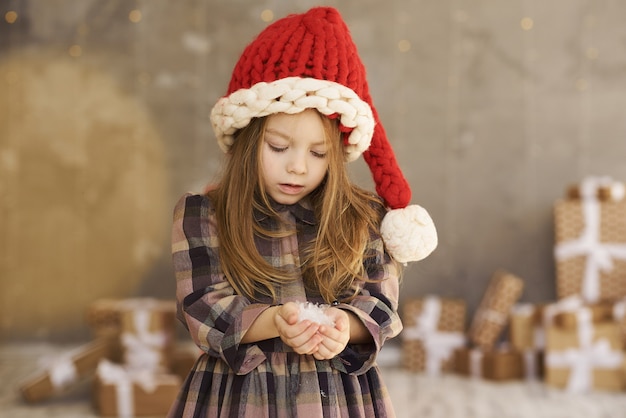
(290, 188)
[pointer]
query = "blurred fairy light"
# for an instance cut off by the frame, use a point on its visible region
(527, 23)
(10, 16)
(404, 45)
(135, 16)
(75, 51)
(267, 15)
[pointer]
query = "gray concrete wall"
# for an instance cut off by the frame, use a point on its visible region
(493, 108)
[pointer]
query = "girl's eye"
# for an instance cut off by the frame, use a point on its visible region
(277, 149)
(318, 154)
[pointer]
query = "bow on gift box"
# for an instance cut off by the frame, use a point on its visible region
(438, 345)
(588, 356)
(143, 348)
(599, 255)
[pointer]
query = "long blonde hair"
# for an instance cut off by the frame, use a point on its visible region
(347, 216)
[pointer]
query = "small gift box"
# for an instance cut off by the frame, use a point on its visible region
(526, 330)
(145, 328)
(64, 371)
(120, 392)
(585, 358)
(433, 328)
(492, 314)
(527, 335)
(500, 363)
(590, 249)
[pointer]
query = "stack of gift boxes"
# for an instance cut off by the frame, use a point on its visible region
(133, 363)
(576, 343)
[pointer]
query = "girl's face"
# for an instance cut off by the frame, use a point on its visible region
(294, 157)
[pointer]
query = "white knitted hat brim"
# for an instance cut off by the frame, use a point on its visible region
(293, 95)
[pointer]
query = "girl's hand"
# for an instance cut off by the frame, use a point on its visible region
(334, 339)
(302, 336)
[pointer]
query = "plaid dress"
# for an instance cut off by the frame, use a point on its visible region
(266, 378)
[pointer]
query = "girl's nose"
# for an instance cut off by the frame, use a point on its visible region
(297, 164)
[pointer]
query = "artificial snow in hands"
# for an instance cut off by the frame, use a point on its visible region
(314, 313)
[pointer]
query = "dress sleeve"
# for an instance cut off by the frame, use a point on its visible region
(207, 305)
(376, 305)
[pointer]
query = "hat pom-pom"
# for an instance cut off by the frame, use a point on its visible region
(409, 233)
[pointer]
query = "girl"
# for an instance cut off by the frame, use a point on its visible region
(285, 225)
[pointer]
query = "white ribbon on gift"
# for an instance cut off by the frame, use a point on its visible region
(143, 349)
(62, 372)
(599, 254)
(584, 359)
(123, 380)
(438, 345)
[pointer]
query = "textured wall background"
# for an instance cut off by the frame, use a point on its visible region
(493, 108)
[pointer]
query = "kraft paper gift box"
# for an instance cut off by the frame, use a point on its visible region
(65, 371)
(433, 328)
(590, 250)
(498, 364)
(147, 332)
(120, 392)
(527, 335)
(585, 358)
(492, 314)
(145, 328)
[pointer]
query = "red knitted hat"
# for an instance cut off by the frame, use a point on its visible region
(307, 61)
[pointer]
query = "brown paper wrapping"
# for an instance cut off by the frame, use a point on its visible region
(603, 192)
(498, 364)
(569, 225)
(161, 320)
(492, 314)
(144, 403)
(104, 316)
(526, 326)
(559, 339)
(40, 387)
(452, 319)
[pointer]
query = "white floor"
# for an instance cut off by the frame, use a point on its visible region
(414, 395)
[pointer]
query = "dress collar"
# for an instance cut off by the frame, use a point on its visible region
(301, 210)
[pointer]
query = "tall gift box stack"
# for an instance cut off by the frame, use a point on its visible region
(142, 383)
(433, 328)
(590, 234)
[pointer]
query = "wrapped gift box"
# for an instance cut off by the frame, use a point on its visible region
(526, 331)
(66, 370)
(587, 357)
(500, 363)
(527, 335)
(590, 249)
(145, 327)
(492, 314)
(120, 392)
(433, 328)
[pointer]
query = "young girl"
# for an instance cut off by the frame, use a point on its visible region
(286, 226)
